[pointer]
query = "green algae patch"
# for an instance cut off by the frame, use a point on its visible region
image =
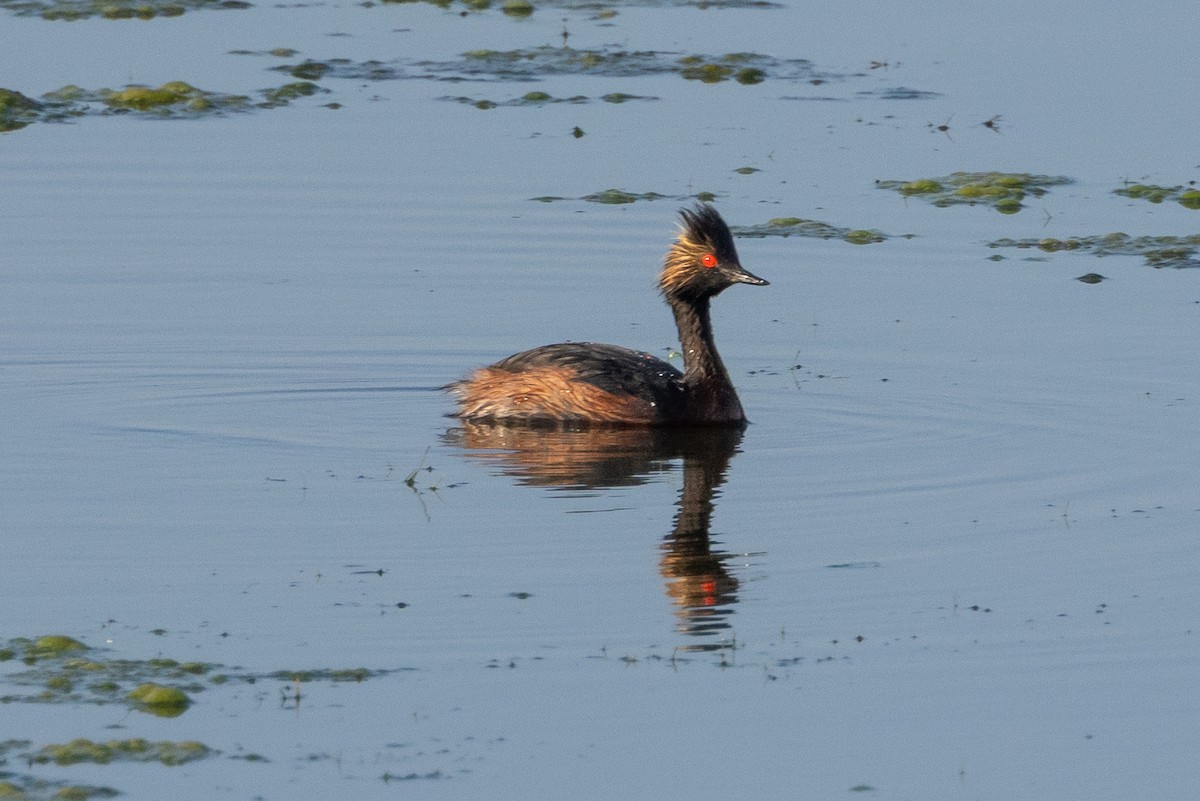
(27, 788)
(616, 98)
(616, 197)
(143, 98)
(798, 226)
(160, 700)
(745, 68)
(1186, 196)
(534, 99)
(540, 62)
(282, 95)
(620, 197)
(72, 10)
(1157, 251)
(707, 73)
(131, 750)
(924, 186)
(327, 674)
(307, 70)
(54, 645)
(1003, 191)
(517, 8)
(172, 100)
(16, 110)
(61, 669)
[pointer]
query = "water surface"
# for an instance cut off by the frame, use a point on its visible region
(952, 557)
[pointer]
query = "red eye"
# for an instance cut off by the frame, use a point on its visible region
(708, 260)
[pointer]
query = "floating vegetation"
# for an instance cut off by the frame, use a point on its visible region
(134, 749)
(166, 702)
(796, 226)
(539, 62)
(1186, 196)
(900, 93)
(17, 110)
(517, 8)
(61, 669)
(282, 95)
(71, 10)
(600, 11)
(175, 99)
(618, 197)
(1158, 251)
(328, 674)
(745, 68)
(1003, 191)
(538, 99)
(29, 788)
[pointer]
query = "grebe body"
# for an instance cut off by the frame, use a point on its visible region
(580, 384)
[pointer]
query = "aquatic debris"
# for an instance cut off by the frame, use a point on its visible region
(538, 99)
(328, 674)
(517, 8)
(170, 98)
(1186, 196)
(17, 110)
(282, 95)
(166, 702)
(534, 63)
(71, 10)
(29, 788)
(1003, 191)
(135, 749)
(900, 93)
(61, 669)
(53, 645)
(1158, 251)
(600, 12)
(797, 226)
(731, 65)
(174, 99)
(620, 197)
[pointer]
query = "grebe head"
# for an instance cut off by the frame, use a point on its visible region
(703, 260)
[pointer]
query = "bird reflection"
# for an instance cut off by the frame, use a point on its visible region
(697, 576)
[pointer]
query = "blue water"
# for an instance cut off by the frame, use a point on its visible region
(953, 557)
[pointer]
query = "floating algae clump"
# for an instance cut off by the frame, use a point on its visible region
(169, 98)
(1188, 198)
(517, 8)
(618, 196)
(1158, 251)
(798, 226)
(1003, 191)
(144, 98)
(13, 103)
(160, 700)
(71, 10)
(54, 645)
(282, 95)
(131, 750)
(924, 186)
(749, 76)
(706, 73)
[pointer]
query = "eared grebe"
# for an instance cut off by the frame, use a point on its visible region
(579, 384)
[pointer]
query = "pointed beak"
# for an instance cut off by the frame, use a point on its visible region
(740, 275)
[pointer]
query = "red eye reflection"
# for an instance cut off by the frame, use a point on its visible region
(708, 260)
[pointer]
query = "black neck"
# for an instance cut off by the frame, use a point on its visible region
(700, 357)
(712, 397)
